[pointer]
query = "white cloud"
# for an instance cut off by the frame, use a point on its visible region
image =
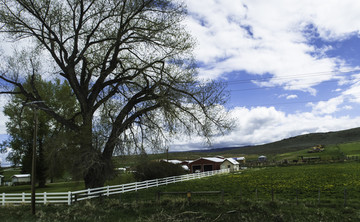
(266, 124)
(292, 97)
(269, 37)
(3, 156)
(3, 118)
(328, 107)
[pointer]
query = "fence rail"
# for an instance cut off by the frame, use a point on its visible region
(70, 197)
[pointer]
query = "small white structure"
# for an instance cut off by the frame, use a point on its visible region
(21, 178)
(262, 158)
(240, 159)
(173, 161)
(185, 167)
(1, 179)
(231, 164)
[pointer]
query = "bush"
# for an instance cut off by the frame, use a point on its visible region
(152, 170)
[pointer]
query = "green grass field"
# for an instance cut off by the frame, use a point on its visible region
(287, 183)
(240, 200)
(331, 152)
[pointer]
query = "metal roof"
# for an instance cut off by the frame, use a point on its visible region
(231, 160)
(213, 159)
(21, 175)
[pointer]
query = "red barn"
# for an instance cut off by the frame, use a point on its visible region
(205, 164)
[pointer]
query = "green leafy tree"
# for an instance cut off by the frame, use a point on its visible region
(132, 58)
(20, 127)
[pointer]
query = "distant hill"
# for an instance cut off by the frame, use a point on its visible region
(294, 143)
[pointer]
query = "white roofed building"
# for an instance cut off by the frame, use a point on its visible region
(205, 164)
(241, 159)
(20, 178)
(231, 164)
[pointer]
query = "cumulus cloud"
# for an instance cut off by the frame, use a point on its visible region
(292, 97)
(261, 125)
(271, 36)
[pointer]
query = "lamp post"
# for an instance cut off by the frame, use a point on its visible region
(33, 166)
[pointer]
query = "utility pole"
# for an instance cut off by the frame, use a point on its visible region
(33, 167)
(33, 170)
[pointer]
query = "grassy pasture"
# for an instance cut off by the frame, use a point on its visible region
(331, 152)
(287, 183)
(240, 202)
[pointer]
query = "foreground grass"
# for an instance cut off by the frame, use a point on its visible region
(111, 209)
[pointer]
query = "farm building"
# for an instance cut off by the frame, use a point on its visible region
(262, 158)
(20, 178)
(231, 164)
(240, 160)
(205, 164)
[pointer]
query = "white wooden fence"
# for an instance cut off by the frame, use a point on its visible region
(70, 197)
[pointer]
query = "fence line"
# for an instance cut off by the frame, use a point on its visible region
(70, 197)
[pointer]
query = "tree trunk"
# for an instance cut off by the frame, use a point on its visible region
(99, 172)
(41, 168)
(95, 168)
(94, 177)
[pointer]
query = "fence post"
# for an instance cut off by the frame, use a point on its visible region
(88, 192)
(123, 188)
(3, 199)
(297, 197)
(44, 197)
(158, 196)
(136, 186)
(240, 194)
(222, 196)
(157, 182)
(107, 190)
(69, 198)
(188, 194)
(23, 197)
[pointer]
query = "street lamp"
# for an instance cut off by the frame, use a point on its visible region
(33, 167)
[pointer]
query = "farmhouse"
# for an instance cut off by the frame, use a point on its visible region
(20, 178)
(231, 164)
(205, 164)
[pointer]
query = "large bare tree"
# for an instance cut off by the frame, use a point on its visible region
(128, 60)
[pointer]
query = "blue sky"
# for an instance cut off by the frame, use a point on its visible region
(292, 66)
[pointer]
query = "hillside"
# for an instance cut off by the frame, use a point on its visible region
(296, 143)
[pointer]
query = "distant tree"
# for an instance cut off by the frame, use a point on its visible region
(132, 58)
(20, 128)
